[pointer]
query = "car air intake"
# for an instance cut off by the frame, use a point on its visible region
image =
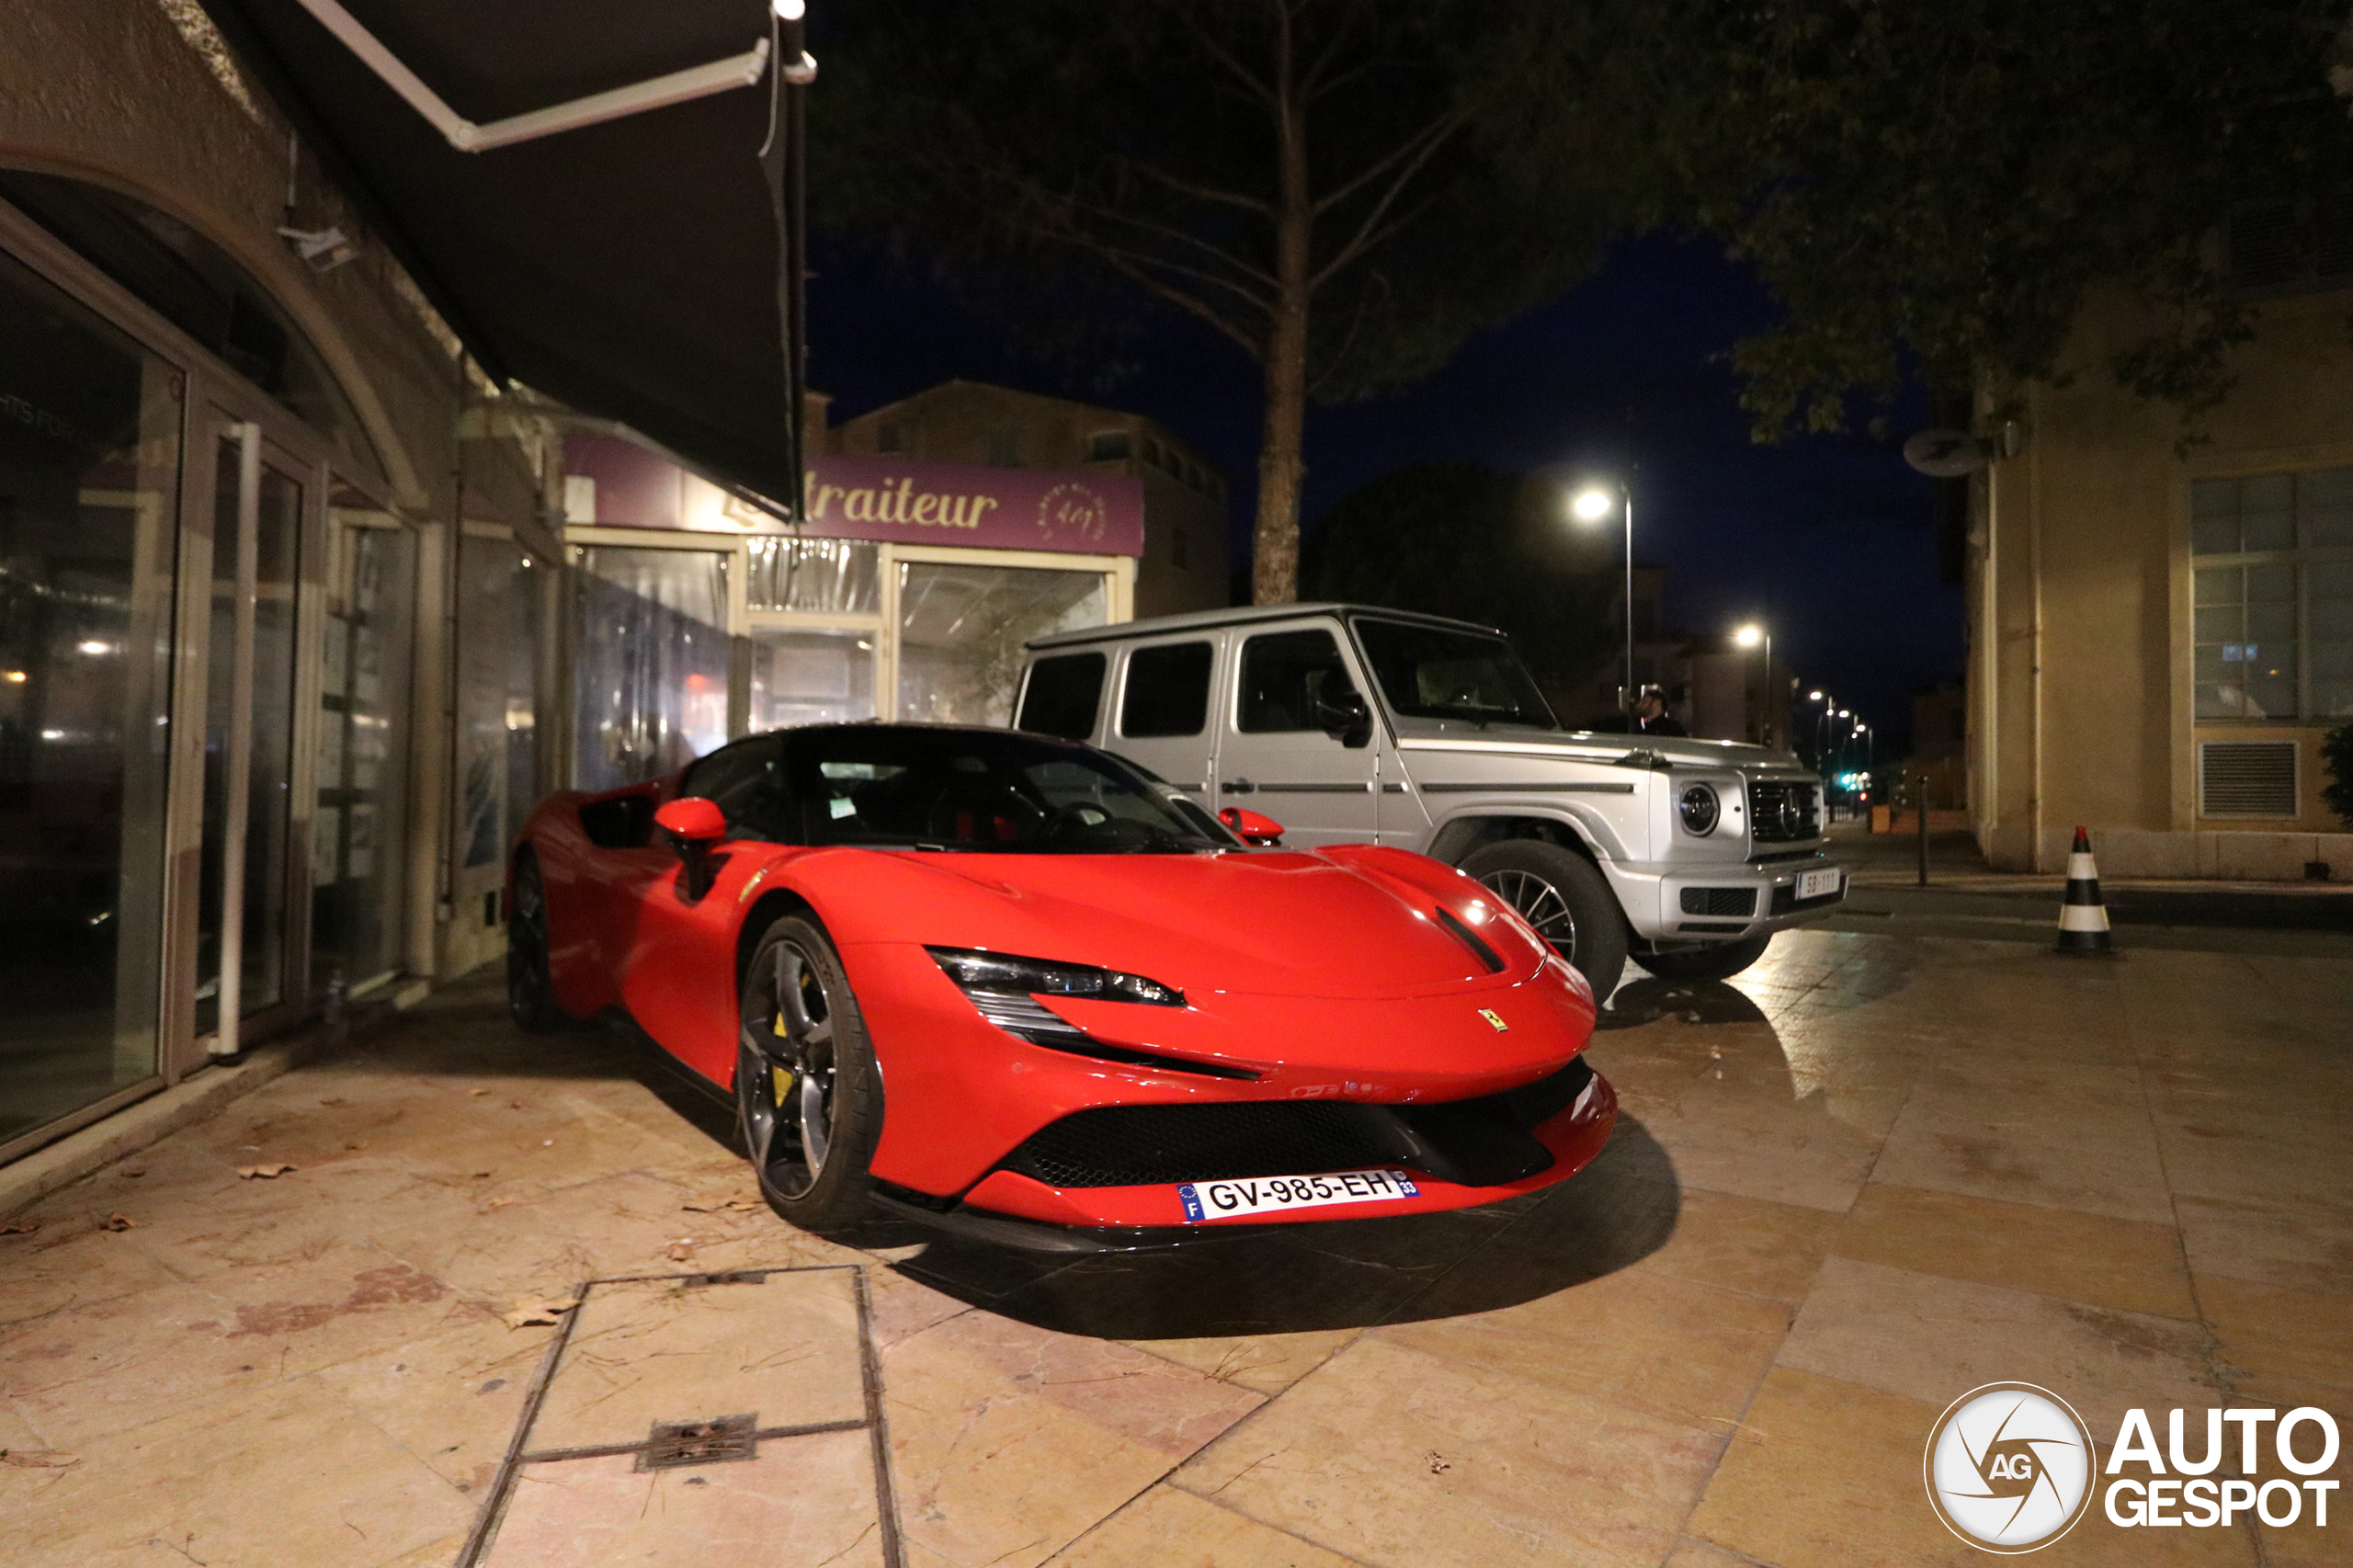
(1720, 903)
(1783, 811)
(1477, 1142)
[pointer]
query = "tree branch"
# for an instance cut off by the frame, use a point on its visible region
(1370, 232)
(1440, 128)
(1203, 192)
(1219, 52)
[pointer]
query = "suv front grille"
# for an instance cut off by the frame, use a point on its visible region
(1783, 811)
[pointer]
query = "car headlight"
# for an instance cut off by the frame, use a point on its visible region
(1003, 974)
(1699, 809)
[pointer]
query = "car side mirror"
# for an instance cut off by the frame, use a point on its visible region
(1346, 718)
(692, 824)
(1253, 828)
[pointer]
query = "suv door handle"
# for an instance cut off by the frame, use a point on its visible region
(1236, 786)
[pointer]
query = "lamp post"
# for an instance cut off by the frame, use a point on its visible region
(1749, 636)
(1591, 505)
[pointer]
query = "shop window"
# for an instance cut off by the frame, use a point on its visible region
(1167, 690)
(359, 849)
(962, 631)
(649, 662)
(1004, 449)
(501, 590)
(816, 576)
(202, 289)
(89, 455)
(1062, 696)
(1108, 446)
(889, 438)
(2272, 596)
(811, 678)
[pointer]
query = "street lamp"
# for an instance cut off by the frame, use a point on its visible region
(1591, 505)
(1750, 636)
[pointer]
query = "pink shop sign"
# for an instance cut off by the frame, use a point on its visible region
(878, 498)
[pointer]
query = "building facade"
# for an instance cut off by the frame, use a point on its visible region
(277, 592)
(1184, 563)
(2160, 636)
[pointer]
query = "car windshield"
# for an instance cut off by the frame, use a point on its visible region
(988, 792)
(1430, 672)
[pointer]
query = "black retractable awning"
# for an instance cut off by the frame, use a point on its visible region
(628, 267)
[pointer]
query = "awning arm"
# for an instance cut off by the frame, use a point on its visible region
(677, 88)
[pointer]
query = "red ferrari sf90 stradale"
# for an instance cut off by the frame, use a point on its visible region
(1018, 988)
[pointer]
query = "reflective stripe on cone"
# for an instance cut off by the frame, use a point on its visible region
(2083, 919)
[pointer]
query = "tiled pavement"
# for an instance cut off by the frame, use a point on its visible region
(1873, 1173)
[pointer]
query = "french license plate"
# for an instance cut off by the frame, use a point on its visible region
(1268, 1195)
(1817, 884)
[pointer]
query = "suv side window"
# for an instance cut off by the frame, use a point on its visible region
(1290, 681)
(1167, 690)
(1062, 696)
(746, 781)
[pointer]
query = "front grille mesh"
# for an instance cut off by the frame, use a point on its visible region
(1719, 901)
(1133, 1145)
(1783, 811)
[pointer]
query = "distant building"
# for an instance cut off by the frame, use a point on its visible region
(1184, 561)
(1718, 691)
(2158, 640)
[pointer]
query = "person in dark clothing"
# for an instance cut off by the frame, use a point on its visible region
(1651, 718)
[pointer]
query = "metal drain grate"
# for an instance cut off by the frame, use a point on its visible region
(717, 1441)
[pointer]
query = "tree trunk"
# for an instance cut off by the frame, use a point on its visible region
(1274, 561)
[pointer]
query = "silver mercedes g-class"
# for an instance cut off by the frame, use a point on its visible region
(1687, 854)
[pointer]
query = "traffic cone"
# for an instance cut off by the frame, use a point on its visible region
(2083, 919)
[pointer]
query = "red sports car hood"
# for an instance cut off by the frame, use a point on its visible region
(1352, 922)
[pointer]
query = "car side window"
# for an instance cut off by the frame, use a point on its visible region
(746, 781)
(1167, 690)
(1064, 693)
(1291, 681)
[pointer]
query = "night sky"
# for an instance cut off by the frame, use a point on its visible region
(1832, 534)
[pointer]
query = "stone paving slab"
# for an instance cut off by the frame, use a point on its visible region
(1871, 1170)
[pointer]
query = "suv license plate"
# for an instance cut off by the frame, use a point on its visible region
(1817, 884)
(1266, 1194)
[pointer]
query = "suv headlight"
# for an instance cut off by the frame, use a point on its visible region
(1699, 809)
(1003, 974)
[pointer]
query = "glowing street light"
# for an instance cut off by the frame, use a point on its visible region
(1752, 635)
(1749, 636)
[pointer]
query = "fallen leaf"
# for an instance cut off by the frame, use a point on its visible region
(38, 1458)
(19, 1227)
(535, 1309)
(338, 1100)
(1439, 1465)
(266, 1172)
(482, 1175)
(477, 1094)
(680, 1251)
(502, 1200)
(355, 1148)
(117, 1222)
(720, 1206)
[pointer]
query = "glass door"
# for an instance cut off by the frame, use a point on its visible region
(242, 958)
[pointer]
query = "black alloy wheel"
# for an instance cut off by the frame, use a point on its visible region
(1559, 893)
(1715, 961)
(807, 1093)
(530, 985)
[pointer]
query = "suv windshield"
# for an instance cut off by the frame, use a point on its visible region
(978, 791)
(1429, 672)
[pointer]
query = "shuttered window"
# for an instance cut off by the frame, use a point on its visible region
(2247, 778)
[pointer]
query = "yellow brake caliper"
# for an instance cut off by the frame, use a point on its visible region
(780, 1078)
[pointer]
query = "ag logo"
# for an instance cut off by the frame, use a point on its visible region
(2010, 1468)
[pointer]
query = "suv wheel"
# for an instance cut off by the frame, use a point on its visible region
(1558, 892)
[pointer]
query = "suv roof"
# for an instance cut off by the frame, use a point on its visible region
(1242, 615)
